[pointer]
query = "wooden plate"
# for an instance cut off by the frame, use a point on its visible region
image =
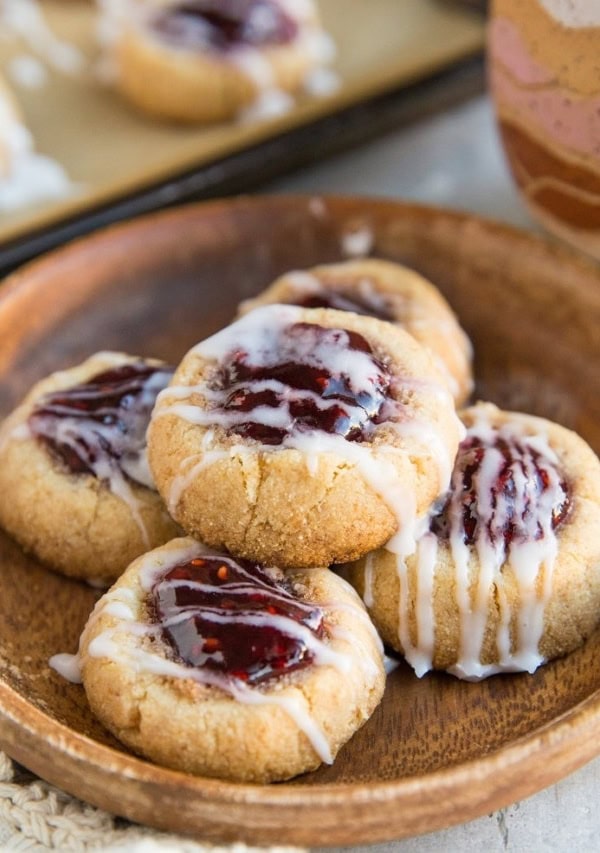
(437, 751)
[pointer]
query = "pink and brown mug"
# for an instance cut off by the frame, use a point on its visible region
(544, 61)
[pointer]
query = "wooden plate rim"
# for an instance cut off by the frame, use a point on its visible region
(15, 709)
(354, 203)
(394, 809)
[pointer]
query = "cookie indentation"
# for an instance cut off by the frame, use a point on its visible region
(95, 426)
(231, 617)
(225, 24)
(318, 379)
(504, 489)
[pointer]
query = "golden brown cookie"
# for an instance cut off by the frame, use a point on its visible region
(208, 60)
(75, 487)
(506, 573)
(221, 667)
(299, 437)
(389, 292)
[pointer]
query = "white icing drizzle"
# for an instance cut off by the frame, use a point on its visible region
(318, 44)
(322, 82)
(28, 177)
(370, 668)
(300, 10)
(67, 666)
(24, 18)
(530, 554)
(27, 71)
(368, 597)
(121, 643)
(269, 104)
(297, 707)
(420, 654)
(118, 602)
(408, 313)
(252, 62)
(390, 664)
(113, 19)
(357, 242)
(257, 334)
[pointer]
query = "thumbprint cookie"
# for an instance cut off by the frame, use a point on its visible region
(75, 486)
(210, 60)
(222, 667)
(299, 437)
(389, 292)
(506, 574)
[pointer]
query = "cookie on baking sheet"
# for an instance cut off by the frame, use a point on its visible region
(506, 574)
(221, 667)
(75, 487)
(208, 60)
(300, 437)
(390, 292)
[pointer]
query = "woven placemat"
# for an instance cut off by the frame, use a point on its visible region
(37, 816)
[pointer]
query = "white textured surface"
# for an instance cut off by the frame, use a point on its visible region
(562, 819)
(454, 159)
(574, 13)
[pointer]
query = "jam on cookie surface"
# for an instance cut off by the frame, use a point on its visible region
(99, 424)
(231, 617)
(368, 305)
(504, 490)
(222, 25)
(316, 378)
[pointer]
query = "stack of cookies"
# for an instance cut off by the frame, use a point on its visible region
(297, 490)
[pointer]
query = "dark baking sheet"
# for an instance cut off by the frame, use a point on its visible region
(250, 168)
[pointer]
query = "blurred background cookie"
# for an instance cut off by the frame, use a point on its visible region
(75, 487)
(210, 60)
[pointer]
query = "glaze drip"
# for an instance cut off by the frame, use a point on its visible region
(99, 426)
(503, 488)
(302, 626)
(303, 375)
(507, 499)
(225, 24)
(231, 617)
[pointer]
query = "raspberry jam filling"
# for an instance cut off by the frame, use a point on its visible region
(231, 617)
(504, 489)
(225, 24)
(315, 378)
(368, 306)
(101, 422)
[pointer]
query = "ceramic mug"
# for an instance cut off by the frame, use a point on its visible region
(544, 66)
